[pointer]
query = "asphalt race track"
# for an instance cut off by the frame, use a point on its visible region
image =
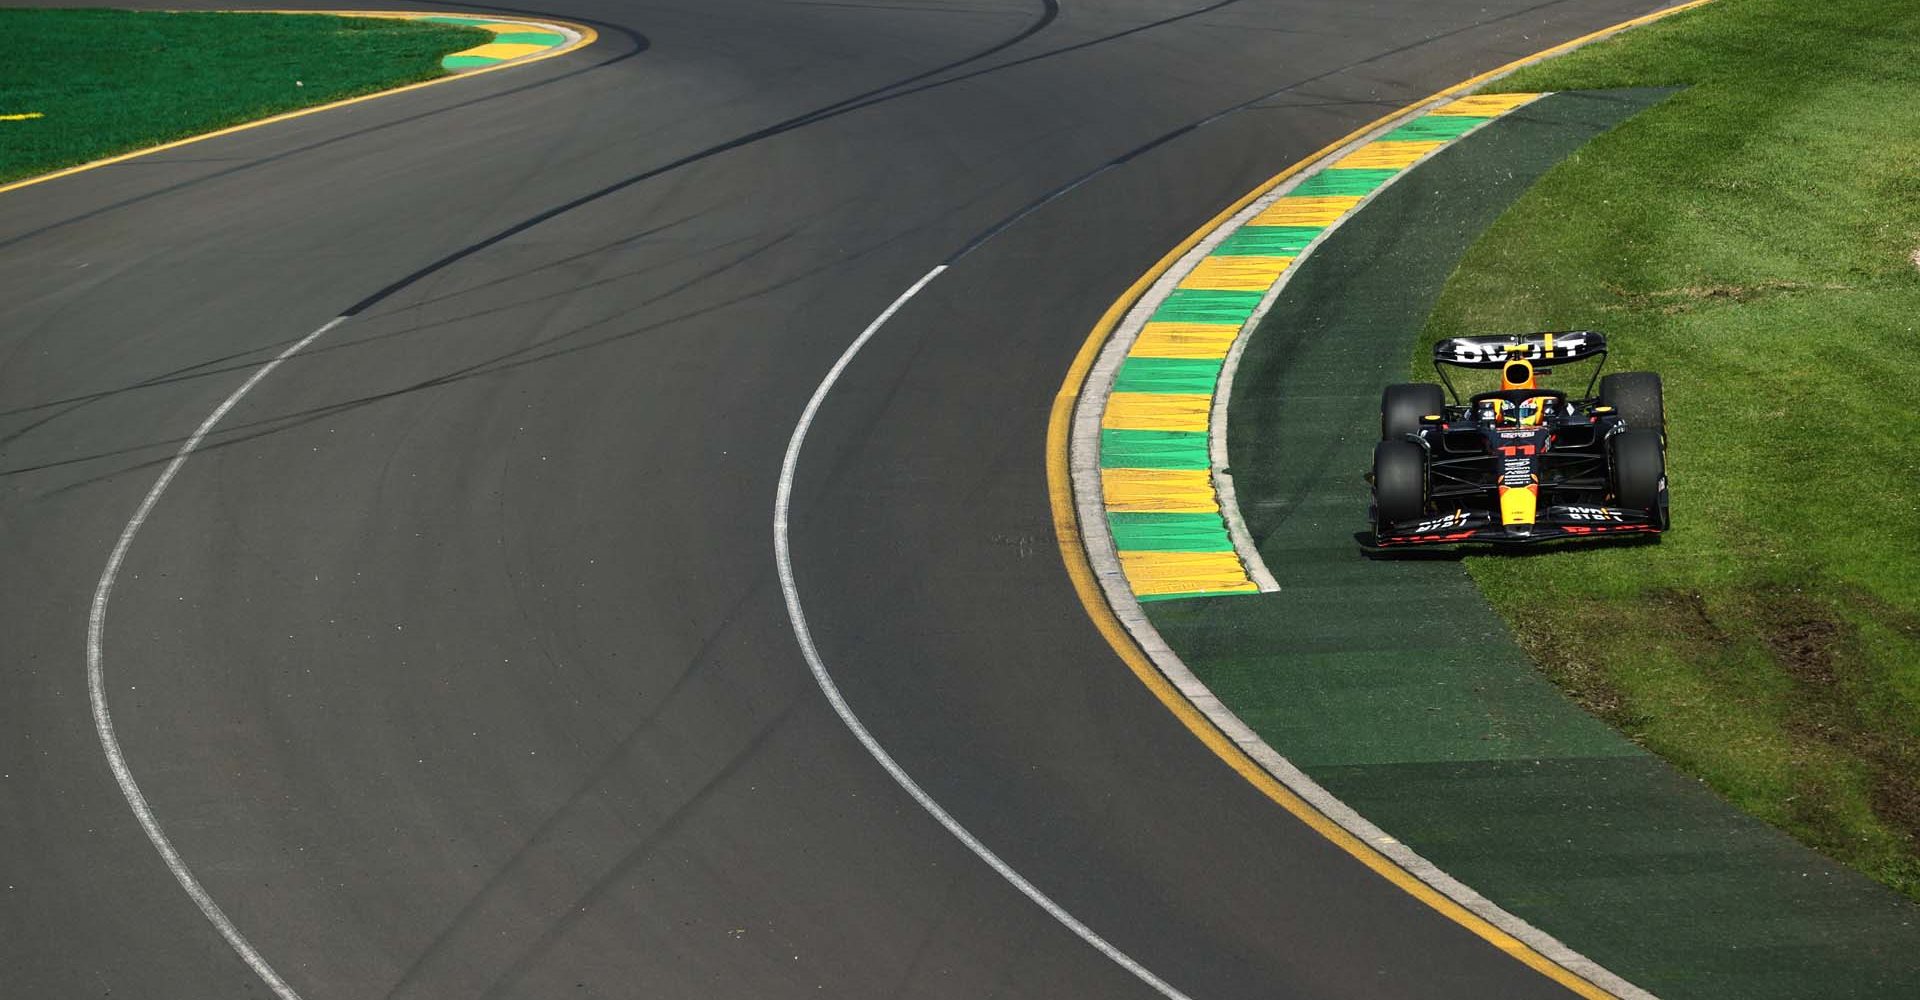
(456, 664)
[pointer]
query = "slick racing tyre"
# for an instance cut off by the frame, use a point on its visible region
(1402, 406)
(1399, 482)
(1637, 397)
(1639, 470)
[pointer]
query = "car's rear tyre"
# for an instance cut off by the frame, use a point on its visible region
(1399, 482)
(1640, 472)
(1637, 397)
(1402, 406)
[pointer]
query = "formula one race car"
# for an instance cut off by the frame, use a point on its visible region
(1520, 463)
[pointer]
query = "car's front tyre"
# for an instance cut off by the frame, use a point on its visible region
(1402, 406)
(1399, 482)
(1640, 472)
(1638, 398)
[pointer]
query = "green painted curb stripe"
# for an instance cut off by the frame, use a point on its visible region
(1185, 375)
(450, 19)
(1347, 182)
(1267, 241)
(1192, 305)
(467, 62)
(1435, 128)
(1139, 532)
(1149, 598)
(530, 38)
(1189, 451)
(1126, 449)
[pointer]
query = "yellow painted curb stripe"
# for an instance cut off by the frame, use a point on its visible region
(1293, 224)
(1324, 210)
(1149, 568)
(1184, 340)
(1377, 155)
(1486, 105)
(1155, 573)
(1164, 491)
(1156, 411)
(586, 36)
(1073, 553)
(1235, 274)
(22, 117)
(502, 50)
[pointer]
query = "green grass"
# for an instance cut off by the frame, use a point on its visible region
(110, 81)
(1753, 239)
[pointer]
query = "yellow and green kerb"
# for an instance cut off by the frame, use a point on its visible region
(1156, 455)
(1156, 473)
(511, 40)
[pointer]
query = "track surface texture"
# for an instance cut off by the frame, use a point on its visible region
(456, 664)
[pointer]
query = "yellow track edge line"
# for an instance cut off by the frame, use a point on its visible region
(1073, 552)
(586, 36)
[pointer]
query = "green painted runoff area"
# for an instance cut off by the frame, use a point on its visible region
(111, 81)
(1755, 240)
(1393, 684)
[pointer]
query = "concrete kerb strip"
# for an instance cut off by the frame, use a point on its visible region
(1088, 547)
(1101, 552)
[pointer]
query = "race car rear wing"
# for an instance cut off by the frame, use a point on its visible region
(1492, 352)
(1540, 349)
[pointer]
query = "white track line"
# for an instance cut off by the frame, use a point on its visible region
(781, 554)
(142, 811)
(97, 683)
(137, 801)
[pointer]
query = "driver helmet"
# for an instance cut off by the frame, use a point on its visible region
(1532, 411)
